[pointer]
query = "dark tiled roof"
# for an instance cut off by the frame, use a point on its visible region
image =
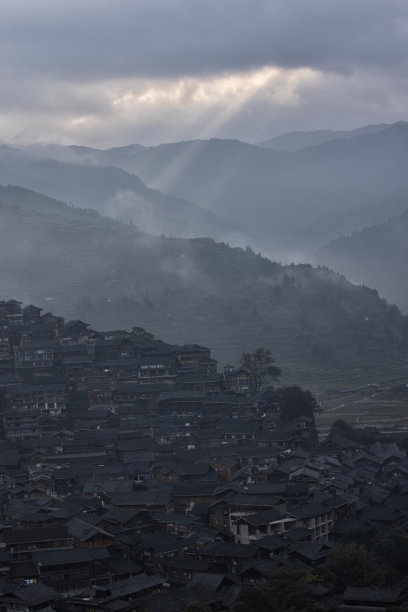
(131, 586)
(272, 542)
(16, 536)
(262, 518)
(195, 489)
(33, 594)
(66, 557)
(309, 511)
(161, 542)
(229, 550)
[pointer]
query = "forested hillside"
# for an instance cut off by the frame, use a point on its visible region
(112, 275)
(377, 255)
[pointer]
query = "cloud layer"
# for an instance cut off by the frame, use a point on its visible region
(118, 71)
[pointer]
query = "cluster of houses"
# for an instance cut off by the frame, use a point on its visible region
(134, 476)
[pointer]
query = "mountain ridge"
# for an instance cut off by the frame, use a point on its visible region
(286, 205)
(294, 141)
(115, 192)
(300, 199)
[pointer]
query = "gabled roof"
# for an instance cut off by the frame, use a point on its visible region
(298, 534)
(338, 501)
(161, 542)
(229, 550)
(174, 518)
(119, 515)
(313, 551)
(83, 531)
(195, 489)
(141, 498)
(131, 586)
(308, 511)
(31, 595)
(272, 542)
(76, 323)
(341, 442)
(382, 515)
(16, 536)
(386, 450)
(262, 518)
(55, 558)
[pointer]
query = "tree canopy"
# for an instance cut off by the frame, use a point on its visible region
(260, 367)
(141, 335)
(352, 564)
(295, 402)
(341, 428)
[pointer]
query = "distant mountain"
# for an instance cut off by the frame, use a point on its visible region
(108, 157)
(294, 202)
(289, 203)
(112, 191)
(294, 141)
(74, 261)
(75, 154)
(377, 256)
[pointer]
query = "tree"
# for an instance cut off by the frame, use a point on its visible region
(77, 405)
(141, 335)
(294, 589)
(260, 367)
(342, 429)
(255, 599)
(393, 550)
(288, 590)
(352, 564)
(295, 402)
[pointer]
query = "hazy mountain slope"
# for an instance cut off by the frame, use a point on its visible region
(315, 322)
(294, 141)
(377, 256)
(113, 191)
(297, 200)
(109, 157)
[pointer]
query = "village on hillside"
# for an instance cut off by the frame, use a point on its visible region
(134, 475)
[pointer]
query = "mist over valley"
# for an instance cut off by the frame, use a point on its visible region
(203, 306)
(287, 205)
(112, 275)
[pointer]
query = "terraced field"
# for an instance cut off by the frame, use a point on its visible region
(384, 405)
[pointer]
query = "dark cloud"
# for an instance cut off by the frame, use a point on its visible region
(88, 39)
(108, 72)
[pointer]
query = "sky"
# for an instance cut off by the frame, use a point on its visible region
(114, 72)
